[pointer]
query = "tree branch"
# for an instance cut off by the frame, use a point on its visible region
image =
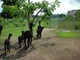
(37, 14)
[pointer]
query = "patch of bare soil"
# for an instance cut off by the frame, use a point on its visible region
(49, 47)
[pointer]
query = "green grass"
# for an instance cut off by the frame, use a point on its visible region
(69, 25)
(16, 30)
(72, 34)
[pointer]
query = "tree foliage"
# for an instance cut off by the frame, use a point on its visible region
(21, 8)
(47, 8)
(8, 11)
(9, 8)
(78, 15)
(9, 2)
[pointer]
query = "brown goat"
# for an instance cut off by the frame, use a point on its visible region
(7, 45)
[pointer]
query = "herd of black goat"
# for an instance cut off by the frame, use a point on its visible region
(26, 35)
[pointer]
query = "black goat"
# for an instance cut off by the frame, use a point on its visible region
(1, 28)
(39, 32)
(7, 45)
(27, 35)
(20, 39)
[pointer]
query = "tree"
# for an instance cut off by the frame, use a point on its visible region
(47, 7)
(78, 15)
(8, 11)
(26, 9)
(70, 18)
(9, 8)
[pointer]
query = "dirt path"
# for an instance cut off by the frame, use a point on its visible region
(50, 47)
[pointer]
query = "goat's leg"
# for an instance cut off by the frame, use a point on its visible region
(37, 35)
(40, 35)
(19, 42)
(28, 42)
(8, 48)
(25, 43)
(5, 48)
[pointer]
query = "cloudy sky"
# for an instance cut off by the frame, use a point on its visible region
(65, 6)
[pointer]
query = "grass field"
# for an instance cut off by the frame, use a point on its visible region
(70, 34)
